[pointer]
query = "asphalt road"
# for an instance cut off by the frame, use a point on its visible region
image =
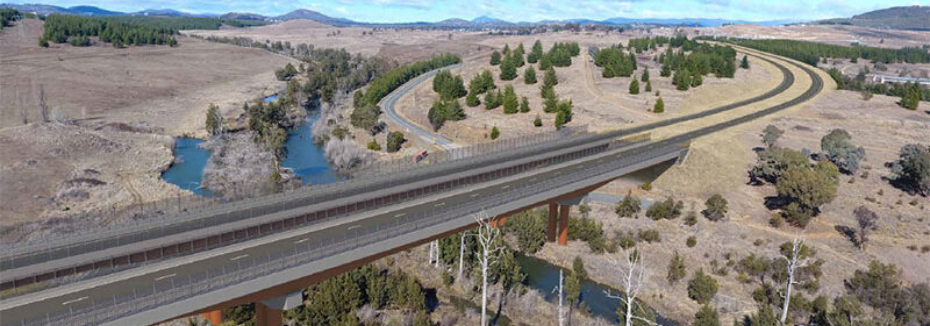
(102, 291)
(388, 102)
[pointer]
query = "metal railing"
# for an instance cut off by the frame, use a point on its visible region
(136, 300)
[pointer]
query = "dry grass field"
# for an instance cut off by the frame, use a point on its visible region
(830, 34)
(403, 45)
(126, 103)
(164, 87)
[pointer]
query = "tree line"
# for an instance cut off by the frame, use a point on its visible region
(812, 53)
(910, 93)
(8, 16)
(128, 30)
(366, 111)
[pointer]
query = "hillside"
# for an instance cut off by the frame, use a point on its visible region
(314, 16)
(912, 18)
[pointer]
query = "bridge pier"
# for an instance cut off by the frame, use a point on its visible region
(553, 222)
(215, 317)
(267, 316)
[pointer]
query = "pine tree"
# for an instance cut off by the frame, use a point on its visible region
(506, 50)
(525, 105)
(745, 63)
(214, 120)
(529, 75)
(645, 77)
(634, 87)
(666, 71)
(472, 99)
(659, 106)
(508, 68)
(550, 79)
(538, 121)
(510, 101)
(676, 269)
(490, 101)
(649, 87)
(495, 58)
(495, 133)
(696, 80)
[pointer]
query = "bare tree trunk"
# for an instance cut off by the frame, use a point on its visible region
(438, 253)
(43, 107)
(487, 236)
(561, 312)
(633, 277)
(461, 255)
(793, 265)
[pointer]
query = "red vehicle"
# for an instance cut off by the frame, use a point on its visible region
(421, 155)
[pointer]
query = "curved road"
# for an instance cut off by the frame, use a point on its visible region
(388, 102)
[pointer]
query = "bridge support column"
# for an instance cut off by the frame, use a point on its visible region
(215, 317)
(553, 220)
(267, 316)
(563, 224)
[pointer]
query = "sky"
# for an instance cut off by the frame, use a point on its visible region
(391, 11)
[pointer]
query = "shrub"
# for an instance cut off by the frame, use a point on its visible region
(629, 206)
(770, 135)
(676, 269)
(716, 208)
(668, 209)
(588, 230)
(443, 110)
(707, 316)
(625, 240)
(659, 107)
(529, 75)
(838, 148)
(529, 227)
(394, 141)
(912, 169)
(702, 288)
(634, 87)
(650, 236)
(524, 105)
(691, 242)
(495, 133)
(373, 145)
(646, 186)
(771, 163)
(537, 122)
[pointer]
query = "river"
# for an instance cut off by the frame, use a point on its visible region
(304, 157)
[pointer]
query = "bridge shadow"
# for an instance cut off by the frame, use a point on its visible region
(646, 175)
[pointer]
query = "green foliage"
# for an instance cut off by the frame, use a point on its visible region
(395, 140)
(910, 99)
(481, 83)
(492, 100)
(524, 105)
(268, 121)
(550, 78)
(691, 242)
(745, 63)
(770, 135)
(495, 133)
(214, 120)
(765, 316)
(374, 146)
(634, 87)
(510, 101)
(668, 209)
(628, 207)
(537, 122)
(676, 269)
(707, 316)
(517, 56)
(614, 63)
(650, 235)
(80, 41)
(8, 16)
(808, 189)
(508, 68)
(912, 169)
(495, 58)
(659, 107)
(129, 30)
(529, 75)
(682, 80)
(529, 227)
(811, 52)
(563, 113)
(702, 287)
(716, 208)
(472, 99)
(649, 87)
(665, 71)
(588, 230)
(241, 315)
(286, 73)
(535, 53)
(560, 55)
(645, 77)
(646, 186)
(773, 162)
(445, 110)
(837, 146)
(447, 86)
(387, 83)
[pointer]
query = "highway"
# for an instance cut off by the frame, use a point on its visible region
(388, 102)
(204, 279)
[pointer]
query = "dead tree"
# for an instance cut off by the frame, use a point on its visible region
(867, 223)
(43, 107)
(561, 299)
(633, 276)
(487, 240)
(797, 259)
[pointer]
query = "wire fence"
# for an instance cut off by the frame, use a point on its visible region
(138, 299)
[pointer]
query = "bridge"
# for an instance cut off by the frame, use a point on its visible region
(265, 250)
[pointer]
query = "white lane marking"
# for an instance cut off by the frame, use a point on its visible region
(355, 227)
(165, 276)
(238, 257)
(400, 215)
(474, 195)
(302, 240)
(441, 204)
(74, 301)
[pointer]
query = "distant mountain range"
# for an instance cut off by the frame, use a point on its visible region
(911, 17)
(914, 17)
